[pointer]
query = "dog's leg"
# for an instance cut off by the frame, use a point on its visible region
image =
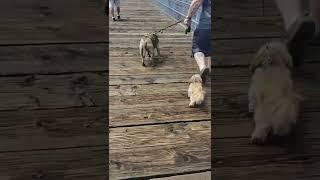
(158, 54)
(142, 51)
(260, 134)
(158, 50)
(152, 57)
(261, 131)
(192, 103)
(189, 92)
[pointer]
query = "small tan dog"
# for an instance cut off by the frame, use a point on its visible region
(148, 44)
(195, 91)
(271, 95)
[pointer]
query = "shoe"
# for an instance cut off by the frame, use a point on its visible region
(299, 34)
(204, 73)
(118, 16)
(114, 19)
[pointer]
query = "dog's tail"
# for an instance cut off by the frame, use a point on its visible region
(285, 114)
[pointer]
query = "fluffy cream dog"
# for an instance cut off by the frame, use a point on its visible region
(195, 91)
(147, 46)
(271, 95)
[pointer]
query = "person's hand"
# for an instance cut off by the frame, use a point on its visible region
(187, 21)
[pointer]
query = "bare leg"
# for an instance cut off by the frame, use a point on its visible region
(200, 59)
(112, 12)
(118, 10)
(315, 13)
(290, 10)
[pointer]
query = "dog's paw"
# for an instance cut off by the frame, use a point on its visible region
(259, 136)
(192, 104)
(258, 140)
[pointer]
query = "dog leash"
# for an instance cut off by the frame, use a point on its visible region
(160, 30)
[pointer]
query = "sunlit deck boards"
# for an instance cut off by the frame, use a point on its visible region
(152, 131)
(240, 28)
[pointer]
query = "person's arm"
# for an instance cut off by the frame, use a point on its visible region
(194, 6)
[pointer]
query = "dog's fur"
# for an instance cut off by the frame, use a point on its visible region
(272, 98)
(147, 47)
(195, 91)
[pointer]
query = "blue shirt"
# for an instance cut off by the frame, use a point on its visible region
(205, 15)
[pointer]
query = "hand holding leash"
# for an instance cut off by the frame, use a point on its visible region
(187, 30)
(187, 22)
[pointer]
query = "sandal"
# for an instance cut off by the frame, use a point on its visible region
(204, 73)
(300, 32)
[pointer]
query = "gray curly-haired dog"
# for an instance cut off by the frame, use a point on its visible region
(148, 44)
(272, 98)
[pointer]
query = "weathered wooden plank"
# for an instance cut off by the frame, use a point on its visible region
(294, 158)
(156, 103)
(135, 43)
(134, 52)
(52, 59)
(74, 163)
(157, 114)
(168, 65)
(53, 91)
(52, 21)
(295, 169)
(270, 8)
(134, 40)
(157, 97)
(227, 8)
(180, 147)
(198, 176)
(47, 129)
(236, 51)
(229, 52)
(148, 79)
(247, 27)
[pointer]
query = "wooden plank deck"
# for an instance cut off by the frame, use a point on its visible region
(152, 132)
(240, 28)
(53, 95)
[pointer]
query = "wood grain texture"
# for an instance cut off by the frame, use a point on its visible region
(38, 21)
(53, 91)
(71, 163)
(180, 147)
(52, 59)
(48, 129)
(248, 27)
(53, 113)
(198, 176)
(153, 132)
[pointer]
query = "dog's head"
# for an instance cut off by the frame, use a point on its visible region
(275, 53)
(195, 79)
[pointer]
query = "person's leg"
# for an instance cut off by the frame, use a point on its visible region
(201, 62)
(200, 59)
(118, 8)
(300, 28)
(315, 14)
(111, 7)
(290, 11)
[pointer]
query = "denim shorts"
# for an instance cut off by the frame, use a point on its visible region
(201, 41)
(114, 3)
